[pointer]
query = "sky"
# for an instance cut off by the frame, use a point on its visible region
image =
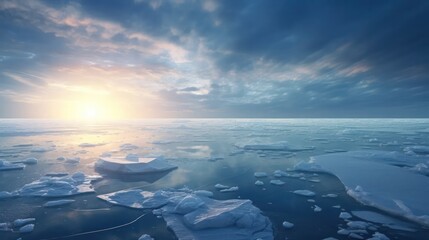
(203, 59)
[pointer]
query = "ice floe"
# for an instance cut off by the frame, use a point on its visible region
(221, 186)
(317, 208)
(421, 150)
(6, 165)
(57, 186)
(259, 183)
(345, 215)
(306, 193)
(287, 224)
(199, 217)
(27, 228)
(127, 147)
(57, 203)
(88, 145)
(386, 221)
(396, 190)
(231, 189)
(260, 174)
(134, 165)
(277, 182)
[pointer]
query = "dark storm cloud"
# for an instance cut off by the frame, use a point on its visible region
(244, 58)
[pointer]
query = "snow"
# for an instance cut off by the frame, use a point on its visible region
(287, 224)
(58, 203)
(27, 228)
(277, 182)
(198, 217)
(397, 190)
(140, 165)
(145, 237)
(306, 193)
(5, 165)
(58, 186)
(231, 189)
(260, 174)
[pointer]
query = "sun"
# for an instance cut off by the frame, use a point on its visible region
(90, 112)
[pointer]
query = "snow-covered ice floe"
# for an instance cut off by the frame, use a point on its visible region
(56, 186)
(5, 165)
(371, 178)
(134, 165)
(192, 216)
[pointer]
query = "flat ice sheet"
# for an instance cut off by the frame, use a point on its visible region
(370, 179)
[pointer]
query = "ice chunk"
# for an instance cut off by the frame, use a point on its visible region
(145, 237)
(231, 189)
(358, 224)
(397, 190)
(345, 215)
(317, 208)
(306, 193)
(22, 221)
(287, 224)
(27, 228)
(74, 160)
(379, 236)
(58, 203)
(29, 161)
(5, 194)
(330, 195)
(260, 174)
(355, 236)
(220, 186)
(204, 193)
(277, 182)
(5, 165)
(87, 145)
(42, 149)
(280, 173)
(423, 150)
(59, 186)
(140, 165)
(61, 158)
(198, 217)
(259, 183)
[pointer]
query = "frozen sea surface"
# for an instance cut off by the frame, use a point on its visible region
(356, 199)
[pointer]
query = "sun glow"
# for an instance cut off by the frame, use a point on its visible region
(93, 110)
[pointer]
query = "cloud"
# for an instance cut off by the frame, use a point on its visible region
(222, 58)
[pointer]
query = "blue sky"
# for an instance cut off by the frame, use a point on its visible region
(180, 58)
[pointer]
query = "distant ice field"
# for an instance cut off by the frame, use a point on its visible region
(214, 178)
